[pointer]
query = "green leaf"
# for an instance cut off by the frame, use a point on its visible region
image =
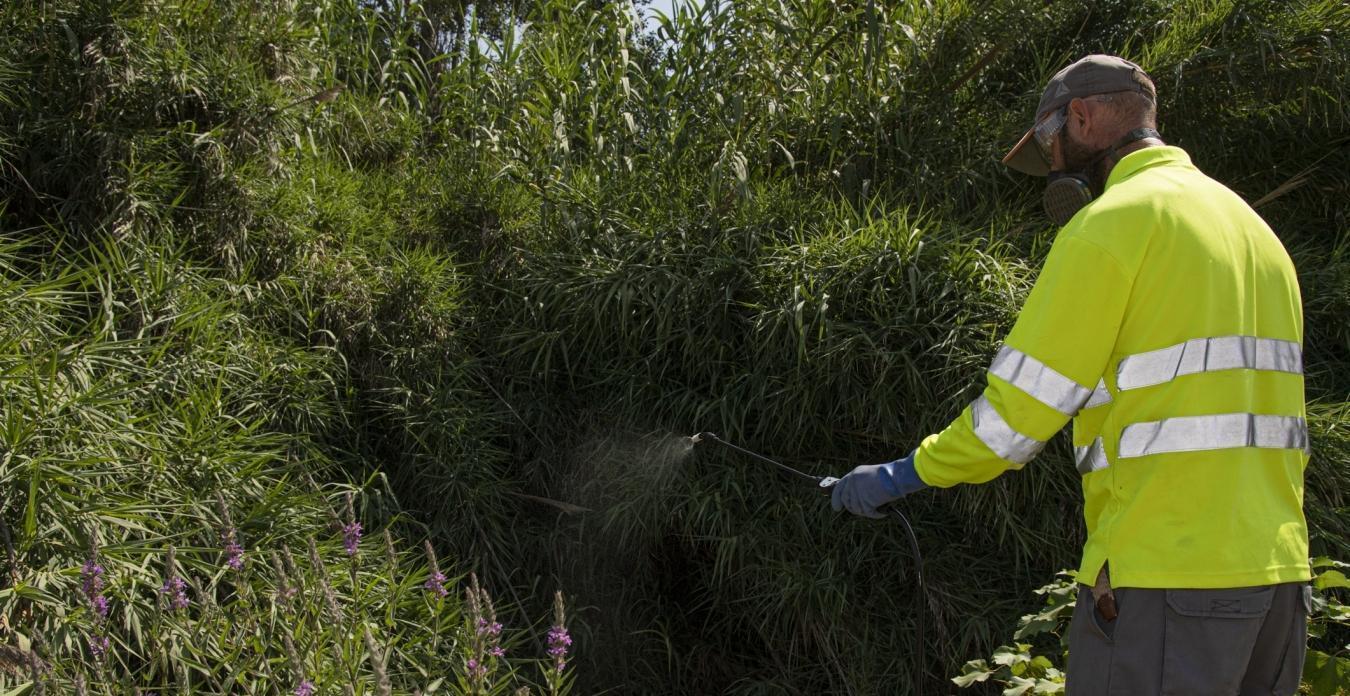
(31, 593)
(1019, 686)
(1330, 579)
(1044, 622)
(1011, 655)
(1327, 562)
(30, 514)
(1337, 612)
(971, 673)
(20, 690)
(1327, 675)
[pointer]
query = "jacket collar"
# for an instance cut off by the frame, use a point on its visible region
(1148, 157)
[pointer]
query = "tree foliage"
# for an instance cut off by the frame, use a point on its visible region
(486, 264)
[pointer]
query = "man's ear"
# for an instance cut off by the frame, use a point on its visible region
(1080, 117)
(1086, 120)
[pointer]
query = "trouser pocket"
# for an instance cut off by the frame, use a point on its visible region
(1106, 628)
(1091, 650)
(1209, 636)
(1293, 633)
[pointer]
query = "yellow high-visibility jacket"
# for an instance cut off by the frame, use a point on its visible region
(1167, 324)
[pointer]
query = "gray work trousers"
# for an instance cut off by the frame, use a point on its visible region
(1248, 640)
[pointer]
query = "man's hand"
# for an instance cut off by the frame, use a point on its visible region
(871, 486)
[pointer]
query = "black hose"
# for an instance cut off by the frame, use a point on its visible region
(923, 594)
(825, 485)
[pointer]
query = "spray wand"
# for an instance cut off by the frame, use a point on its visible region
(825, 484)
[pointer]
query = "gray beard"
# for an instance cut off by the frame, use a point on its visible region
(1079, 158)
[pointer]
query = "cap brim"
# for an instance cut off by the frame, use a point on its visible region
(1025, 158)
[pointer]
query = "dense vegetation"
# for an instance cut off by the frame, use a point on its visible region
(273, 269)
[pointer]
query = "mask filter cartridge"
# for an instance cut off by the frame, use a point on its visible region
(1065, 194)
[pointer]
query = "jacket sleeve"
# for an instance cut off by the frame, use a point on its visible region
(1043, 374)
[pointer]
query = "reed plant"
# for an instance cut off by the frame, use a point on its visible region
(481, 266)
(159, 466)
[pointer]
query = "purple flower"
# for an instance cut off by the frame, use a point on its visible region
(91, 582)
(490, 629)
(306, 688)
(91, 577)
(98, 646)
(436, 584)
(351, 536)
(497, 651)
(177, 591)
(235, 555)
(558, 642)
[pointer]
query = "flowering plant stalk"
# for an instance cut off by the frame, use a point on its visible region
(435, 584)
(351, 531)
(229, 536)
(91, 584)
(559, 644)
(174, 589)
(482, 643)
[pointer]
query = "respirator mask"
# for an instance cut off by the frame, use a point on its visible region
(1067, 192)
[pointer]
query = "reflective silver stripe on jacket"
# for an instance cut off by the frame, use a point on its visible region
(1090, 458)
(1224, 431)
(1000, 437)
(1039, 380)
(1100, 396)
(1208, 355)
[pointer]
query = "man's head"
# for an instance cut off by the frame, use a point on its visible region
(1086, 108)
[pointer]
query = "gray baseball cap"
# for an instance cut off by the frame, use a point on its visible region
(1094, 74)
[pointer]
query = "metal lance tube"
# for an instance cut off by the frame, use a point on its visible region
(825, 482)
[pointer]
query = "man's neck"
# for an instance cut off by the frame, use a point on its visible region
(1110, 163)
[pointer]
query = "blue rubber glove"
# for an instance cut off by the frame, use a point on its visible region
(870, 486)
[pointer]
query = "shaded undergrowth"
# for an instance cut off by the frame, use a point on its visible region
(478, 272)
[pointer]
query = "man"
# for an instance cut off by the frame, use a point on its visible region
(1167, 324)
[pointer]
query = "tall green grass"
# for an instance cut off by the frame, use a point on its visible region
(479, 266)
(148, 424)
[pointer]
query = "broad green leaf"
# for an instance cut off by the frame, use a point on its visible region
(1330, 579)
(973, 672)
(1044, 622)
(1011, 655)
(1337, 612)
(1327, 675)
(1019, 686)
